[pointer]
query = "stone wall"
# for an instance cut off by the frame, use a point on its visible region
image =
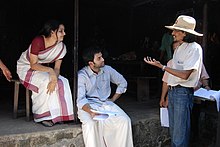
(71, 137)
(149, 133)
(146, 133)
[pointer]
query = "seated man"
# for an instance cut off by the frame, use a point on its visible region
(93, 94)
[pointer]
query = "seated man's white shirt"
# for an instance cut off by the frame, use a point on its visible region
(186, 57)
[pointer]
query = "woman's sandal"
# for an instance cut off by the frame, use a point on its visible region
(60, 122)
(47, 123)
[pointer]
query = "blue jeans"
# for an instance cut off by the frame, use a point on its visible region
(180, 103)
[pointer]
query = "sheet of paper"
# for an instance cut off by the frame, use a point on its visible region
(101, 117)
(217, 102)
(164, 118)
(103, 114)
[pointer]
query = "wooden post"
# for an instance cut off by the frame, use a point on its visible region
(75, 54)
(218, 132)
(205, 32)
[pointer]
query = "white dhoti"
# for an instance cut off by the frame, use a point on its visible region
(115, 131)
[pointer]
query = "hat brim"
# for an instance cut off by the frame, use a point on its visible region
(185, 30)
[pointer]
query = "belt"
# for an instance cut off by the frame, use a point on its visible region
(178, 86)
(96, 98)
(174, 87)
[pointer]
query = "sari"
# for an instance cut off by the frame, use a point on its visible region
(58, 105)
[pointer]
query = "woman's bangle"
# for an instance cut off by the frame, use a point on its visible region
(163, 68)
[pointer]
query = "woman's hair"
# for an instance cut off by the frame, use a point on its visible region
(89, 53)
(49, 26)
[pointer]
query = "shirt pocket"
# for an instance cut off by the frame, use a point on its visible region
(103, 83)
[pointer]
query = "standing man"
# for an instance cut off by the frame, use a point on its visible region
(203, 81)
(184, 76)
(94, 94)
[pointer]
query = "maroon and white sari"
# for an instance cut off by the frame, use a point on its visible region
(57, 106)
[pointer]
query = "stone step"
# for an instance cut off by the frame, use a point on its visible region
(147, 132)
(68, 137)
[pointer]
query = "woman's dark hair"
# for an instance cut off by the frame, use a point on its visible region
(89, 53)
(49, 26)
(189, 38)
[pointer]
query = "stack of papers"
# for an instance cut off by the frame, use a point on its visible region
(164, 118)
(209, 95)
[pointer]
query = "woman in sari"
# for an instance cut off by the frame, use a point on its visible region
(51, 94)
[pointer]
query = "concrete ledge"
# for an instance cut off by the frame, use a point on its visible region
(68, 137)
(146, 133)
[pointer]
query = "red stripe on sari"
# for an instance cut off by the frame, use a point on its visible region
(47, 50)
(27, 80)
(63, 104)
(45, 114)
(59, 53)
(63, 118)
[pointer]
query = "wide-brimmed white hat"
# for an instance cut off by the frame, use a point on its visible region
(186, 24)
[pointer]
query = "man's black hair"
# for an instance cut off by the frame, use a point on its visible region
(89, 53)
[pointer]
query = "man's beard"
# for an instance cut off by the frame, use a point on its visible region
(99, 66)
(102, 65)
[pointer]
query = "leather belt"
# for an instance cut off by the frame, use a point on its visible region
(173, 87)
(178, 86)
